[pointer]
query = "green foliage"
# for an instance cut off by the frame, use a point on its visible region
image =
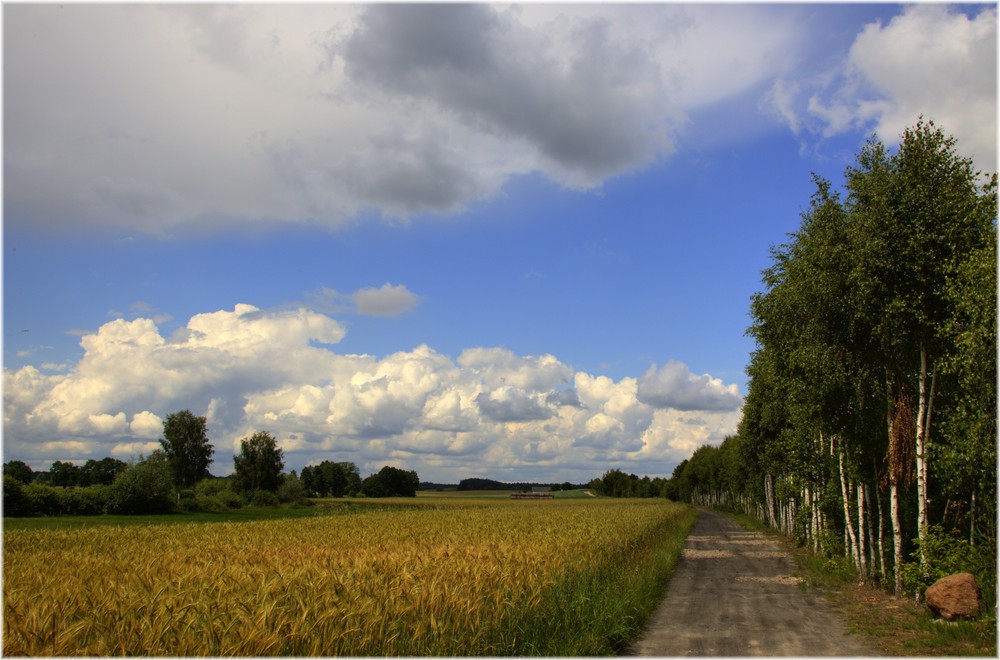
(186, 447)
(291, 490)
(231, 500)
(212, 486)
(258, 465)
(64, 473)
(145, 487)
(945, 552)
(15, 501)
(19, 471)
(391, 482)
(329, 479)
(616, 483)
(88, 501)
(42, 500)
(264, 498)
(102, 472)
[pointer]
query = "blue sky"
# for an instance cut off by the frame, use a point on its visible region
(507, 241)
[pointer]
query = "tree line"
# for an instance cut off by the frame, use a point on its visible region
(176, 477)
(869, 426)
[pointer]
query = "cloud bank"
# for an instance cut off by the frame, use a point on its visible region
(163, 118)
(488, 412)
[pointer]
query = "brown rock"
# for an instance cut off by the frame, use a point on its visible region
(953, 597)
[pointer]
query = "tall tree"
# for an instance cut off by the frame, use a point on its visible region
(19, 471)
(916, 215)
(64, 473)
(186, 447)
(259, 464)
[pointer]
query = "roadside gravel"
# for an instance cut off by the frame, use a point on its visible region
(734, 594)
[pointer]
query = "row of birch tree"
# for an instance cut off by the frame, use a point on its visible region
(869, 427)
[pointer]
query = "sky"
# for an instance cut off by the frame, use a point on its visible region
(507, 241)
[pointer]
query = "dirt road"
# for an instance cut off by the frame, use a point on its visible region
(733, 594)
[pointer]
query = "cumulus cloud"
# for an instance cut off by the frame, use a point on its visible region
(674, 386)
(489, 412)
(145, 424)
(931, 60)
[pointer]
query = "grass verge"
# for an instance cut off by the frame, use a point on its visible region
(600, 611)
(897, 626)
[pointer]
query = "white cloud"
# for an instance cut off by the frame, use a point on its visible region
(145, 424)
(674, 386)
(939, 62)
(489, 412)
(931, 60)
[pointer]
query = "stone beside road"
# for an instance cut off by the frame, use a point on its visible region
(954, 597)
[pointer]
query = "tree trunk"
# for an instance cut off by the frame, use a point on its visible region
(897, 537)
(862, 559)
(818, 519)
(972, 521)
(872, 558)
(850, 539)
(923, 419)
(881, 533)
(769, 500)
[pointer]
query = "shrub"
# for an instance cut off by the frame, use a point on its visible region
(89, 501)
(189, 504)
(145, 487)
(15, 502)
(292, 491)
(231, 500)
(210, 504)
(264, 498)
(42, 500)
(945, 553)
(211, 486)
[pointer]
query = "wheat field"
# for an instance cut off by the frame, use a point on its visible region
(447, 578)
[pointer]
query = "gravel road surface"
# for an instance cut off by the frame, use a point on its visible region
(733, 594)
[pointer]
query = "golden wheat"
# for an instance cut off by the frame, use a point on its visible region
(429, 580)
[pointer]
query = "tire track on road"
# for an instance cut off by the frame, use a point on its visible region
(733, 594)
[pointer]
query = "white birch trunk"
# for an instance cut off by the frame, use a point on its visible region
(850, 540)
(818, 520)
(921, 463)
(881, 532)
(897, 538)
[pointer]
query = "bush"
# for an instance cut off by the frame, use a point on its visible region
(189, 504)
(42, 500)
(89, 501)
(946, 552)
(231, 500)
(211, 486)
(145, 487)
(264, 498)
(292, 491)
(15, 502)
(210, 504)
